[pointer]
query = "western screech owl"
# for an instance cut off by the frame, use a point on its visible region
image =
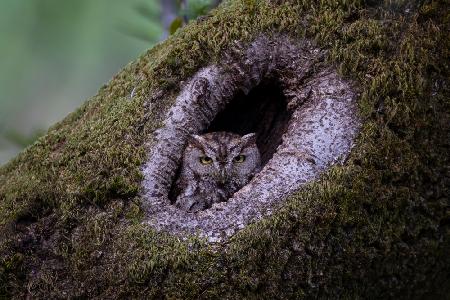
(215, 166)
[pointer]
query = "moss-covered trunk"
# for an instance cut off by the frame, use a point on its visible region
(377, 226)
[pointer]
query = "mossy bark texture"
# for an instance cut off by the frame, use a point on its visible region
(72, 222)
(315, 129)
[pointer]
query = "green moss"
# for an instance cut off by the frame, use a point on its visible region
(375, 227)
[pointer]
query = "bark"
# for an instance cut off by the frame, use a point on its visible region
(314, 128)
(350, 102)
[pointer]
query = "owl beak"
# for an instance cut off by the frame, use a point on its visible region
(223, 177)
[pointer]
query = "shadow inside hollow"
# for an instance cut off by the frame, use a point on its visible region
(263, 111)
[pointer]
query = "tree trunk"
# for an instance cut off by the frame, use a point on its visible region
(350, 104)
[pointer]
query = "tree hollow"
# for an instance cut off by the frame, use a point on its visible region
(302, 111)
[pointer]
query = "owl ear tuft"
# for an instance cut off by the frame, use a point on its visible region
(196, 141)
(248, 139)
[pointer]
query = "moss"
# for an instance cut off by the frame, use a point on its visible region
(377, 226)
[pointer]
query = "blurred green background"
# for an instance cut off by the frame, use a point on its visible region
(54, 54)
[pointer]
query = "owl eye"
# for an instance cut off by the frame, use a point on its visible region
(239, 158)
(205, 160)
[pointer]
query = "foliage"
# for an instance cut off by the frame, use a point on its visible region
(144, 24)
(57, 53)
(196, 8)
(190, 10)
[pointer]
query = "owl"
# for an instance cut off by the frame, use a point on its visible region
(215, 166)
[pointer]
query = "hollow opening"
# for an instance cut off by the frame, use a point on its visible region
(263, 111)
(300, 135)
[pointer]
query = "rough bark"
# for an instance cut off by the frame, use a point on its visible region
(315, 129)
(74, 216)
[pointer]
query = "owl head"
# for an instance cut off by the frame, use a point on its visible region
(223, 156)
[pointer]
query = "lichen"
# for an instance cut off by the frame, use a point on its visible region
(375, 227)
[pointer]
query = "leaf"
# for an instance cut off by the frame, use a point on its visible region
(148, 10)
(176, 23)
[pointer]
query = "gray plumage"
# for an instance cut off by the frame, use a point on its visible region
(215, 166)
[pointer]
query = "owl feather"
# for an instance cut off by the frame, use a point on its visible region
(215, 166)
